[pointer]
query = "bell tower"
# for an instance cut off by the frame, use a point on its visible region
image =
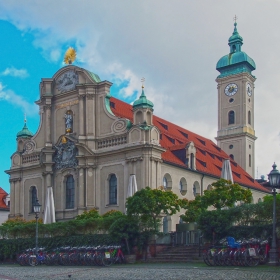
(236, 134)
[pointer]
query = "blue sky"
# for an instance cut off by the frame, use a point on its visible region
(21, 69)
(175, 45)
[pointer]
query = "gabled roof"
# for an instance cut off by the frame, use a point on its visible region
(3, 195)
(209, 157)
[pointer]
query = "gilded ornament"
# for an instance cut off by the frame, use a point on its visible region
(70, 56)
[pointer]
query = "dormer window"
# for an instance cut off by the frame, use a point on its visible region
(191, 156)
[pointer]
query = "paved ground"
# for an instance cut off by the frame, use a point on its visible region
(139, 271)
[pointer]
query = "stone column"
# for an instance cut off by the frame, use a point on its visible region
(90, 113)
(17, 197)
(81, 115)
(81, 189)
(48, 123)
(12, 198)
(90, 179)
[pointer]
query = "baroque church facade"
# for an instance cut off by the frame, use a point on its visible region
(89, 143)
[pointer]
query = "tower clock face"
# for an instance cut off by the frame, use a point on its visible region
(249, 89)
(231, 89)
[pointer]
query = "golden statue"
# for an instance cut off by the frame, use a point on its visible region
(70, 56)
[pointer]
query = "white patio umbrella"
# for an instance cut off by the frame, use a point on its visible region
(226, 171)
(132, 186)
(49, 213)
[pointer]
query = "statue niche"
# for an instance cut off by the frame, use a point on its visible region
(68, 121)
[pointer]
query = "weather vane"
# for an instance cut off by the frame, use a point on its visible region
(235, 18)
(143, 81)
(70, 56)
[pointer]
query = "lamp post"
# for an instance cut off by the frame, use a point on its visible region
(274, 181)
(37, 209)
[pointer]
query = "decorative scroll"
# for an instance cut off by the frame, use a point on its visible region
(119, 126)
(65, 155)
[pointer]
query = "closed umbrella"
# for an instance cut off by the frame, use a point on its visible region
(132, 186)
(49, 213)
(226, 171)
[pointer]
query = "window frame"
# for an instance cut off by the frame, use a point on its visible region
(33, 198)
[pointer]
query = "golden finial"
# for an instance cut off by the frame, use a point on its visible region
(235, 18)
(143, 81)
(63, 140)
(70, 56)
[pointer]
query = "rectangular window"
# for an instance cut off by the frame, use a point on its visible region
(70, 192)
(113, 189)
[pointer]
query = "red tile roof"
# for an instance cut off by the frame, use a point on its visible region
(3, 195)
(209, 157)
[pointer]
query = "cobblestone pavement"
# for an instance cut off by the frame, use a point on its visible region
(138, 271)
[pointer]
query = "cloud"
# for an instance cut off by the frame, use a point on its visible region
(12, 71)
(175, 45)
(17, 100)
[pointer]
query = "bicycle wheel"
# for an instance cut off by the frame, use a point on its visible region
(211, 256)
(251, 257)
(205, 258)
(33, 260)
(263, 256)
(106, 259)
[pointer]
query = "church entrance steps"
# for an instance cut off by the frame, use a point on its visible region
(178, 254)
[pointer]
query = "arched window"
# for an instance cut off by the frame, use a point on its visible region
(113, 189)
(70, 192)
(165, 183)
(183, 186)
(231, 117)
(231, 156)
(33, 194)
(249, 117)
(250, 160)
(194, 190)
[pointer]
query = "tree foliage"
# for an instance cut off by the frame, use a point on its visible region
(226, 194)
(150, 204)
(93, 213)
(223, 194)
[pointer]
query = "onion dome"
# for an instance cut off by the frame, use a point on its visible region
(143, 102)
(25, 132)
(236, 61)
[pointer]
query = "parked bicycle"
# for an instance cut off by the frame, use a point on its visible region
(242, 253)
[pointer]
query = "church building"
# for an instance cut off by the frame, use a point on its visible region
(89, 143)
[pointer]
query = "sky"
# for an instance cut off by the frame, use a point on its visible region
(174, 44)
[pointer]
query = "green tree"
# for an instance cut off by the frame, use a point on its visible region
(125, 228)
(151, 204)
(225, 194)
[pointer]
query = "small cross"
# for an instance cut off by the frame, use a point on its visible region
(143, 81)
(25, 117)
(235, 18)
